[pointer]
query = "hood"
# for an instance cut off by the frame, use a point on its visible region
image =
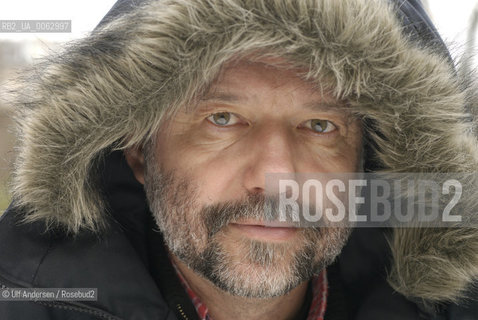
(111, 90)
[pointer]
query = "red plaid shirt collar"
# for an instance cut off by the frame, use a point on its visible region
(316, 310)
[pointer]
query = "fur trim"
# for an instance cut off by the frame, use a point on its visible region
(112, 89)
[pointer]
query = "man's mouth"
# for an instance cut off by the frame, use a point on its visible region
(265, 230)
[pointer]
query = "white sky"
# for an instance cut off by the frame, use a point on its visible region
(450, 17)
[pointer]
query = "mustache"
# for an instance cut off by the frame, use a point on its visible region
(255, 206)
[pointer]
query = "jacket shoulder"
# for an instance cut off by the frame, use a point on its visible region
(33, 258)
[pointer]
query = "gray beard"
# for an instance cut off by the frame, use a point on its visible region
(251, 268)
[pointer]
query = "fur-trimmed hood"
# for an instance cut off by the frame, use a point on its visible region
(111, 90)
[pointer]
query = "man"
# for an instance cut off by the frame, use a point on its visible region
(200, 101)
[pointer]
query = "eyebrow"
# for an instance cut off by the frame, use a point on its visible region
(326, 106)
(223, 97)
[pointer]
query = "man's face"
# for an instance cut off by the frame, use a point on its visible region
(205, 178)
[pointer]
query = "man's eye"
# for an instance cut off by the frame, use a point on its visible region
(320, 126)
(222, 118)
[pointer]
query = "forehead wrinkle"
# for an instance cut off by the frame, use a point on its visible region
(223, 96)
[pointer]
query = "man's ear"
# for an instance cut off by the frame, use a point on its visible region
(135, 159)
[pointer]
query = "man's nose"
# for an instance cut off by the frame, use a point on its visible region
(271, 152)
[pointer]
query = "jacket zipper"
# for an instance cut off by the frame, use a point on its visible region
(5, 284)
(181, 311)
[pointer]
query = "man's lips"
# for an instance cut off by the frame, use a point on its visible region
(271, 224)
(265, 230)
